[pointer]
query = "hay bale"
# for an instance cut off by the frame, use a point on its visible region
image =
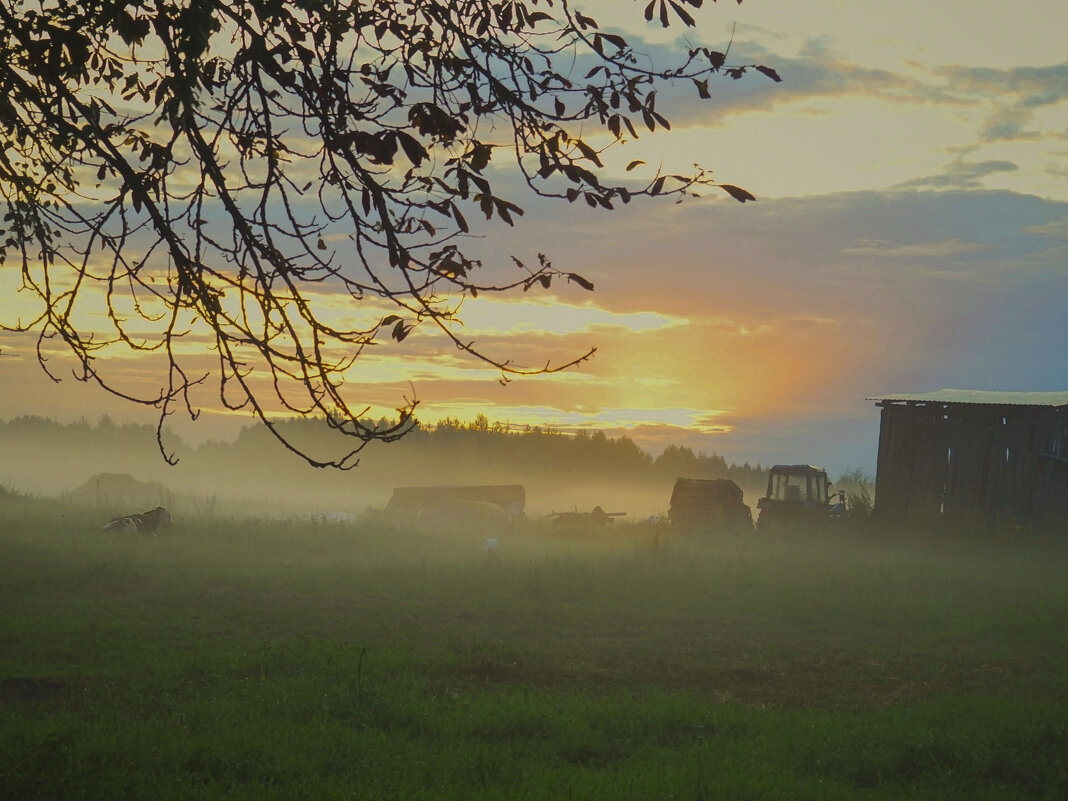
(715, 503)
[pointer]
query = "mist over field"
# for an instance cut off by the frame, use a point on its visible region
(286, 637)
(255, 476)
(247, 657)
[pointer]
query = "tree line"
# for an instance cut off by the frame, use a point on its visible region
(450, 451)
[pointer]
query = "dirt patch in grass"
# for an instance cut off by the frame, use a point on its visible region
(835, 682)
(14, 690)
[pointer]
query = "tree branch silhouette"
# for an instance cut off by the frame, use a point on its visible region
(186, 167)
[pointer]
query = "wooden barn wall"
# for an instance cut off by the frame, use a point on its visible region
(911, 468)
(968, 463)
(965, 462)
(1051, 496)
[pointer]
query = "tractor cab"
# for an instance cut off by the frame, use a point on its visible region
(796, 492)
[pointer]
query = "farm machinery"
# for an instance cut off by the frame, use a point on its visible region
(798, 494)
(597, 517)
(710, 504)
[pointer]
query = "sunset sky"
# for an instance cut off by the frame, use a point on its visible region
(910, 234)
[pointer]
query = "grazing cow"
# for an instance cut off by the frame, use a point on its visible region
(147, 522)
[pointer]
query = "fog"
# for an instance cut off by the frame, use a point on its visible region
(92, 464)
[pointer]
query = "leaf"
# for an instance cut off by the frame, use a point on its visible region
(588, 152)
(582, 282)
(504, 207)
(389, 319)
(683, 15)
(321, 244)
(502, 212)
(584, 21)
(770, 73)
(460, 221)
(412, 148)
(479, 158)
(635, 163)
(736, 192)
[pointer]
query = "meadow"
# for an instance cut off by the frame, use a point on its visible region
(242, 658)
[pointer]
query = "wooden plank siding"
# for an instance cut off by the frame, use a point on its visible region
(968, 462)
(1051, 495)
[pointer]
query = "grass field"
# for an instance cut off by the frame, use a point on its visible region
(245, 659)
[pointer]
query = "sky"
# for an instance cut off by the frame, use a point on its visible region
(910, 234)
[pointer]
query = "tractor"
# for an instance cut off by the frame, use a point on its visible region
(798, 494)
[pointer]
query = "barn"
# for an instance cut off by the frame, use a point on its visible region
(970, 456)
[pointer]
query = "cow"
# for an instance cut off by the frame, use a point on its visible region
(146, 522)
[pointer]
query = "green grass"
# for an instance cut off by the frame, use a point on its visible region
(245, 659)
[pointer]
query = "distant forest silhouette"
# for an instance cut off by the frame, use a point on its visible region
(490, 441)
(45, 455)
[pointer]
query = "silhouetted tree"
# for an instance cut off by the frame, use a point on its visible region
(210, 171)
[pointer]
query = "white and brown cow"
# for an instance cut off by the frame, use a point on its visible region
(146, 522)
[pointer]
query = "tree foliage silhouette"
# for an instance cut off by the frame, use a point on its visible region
(215, 174)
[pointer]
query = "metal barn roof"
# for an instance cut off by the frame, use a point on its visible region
(981, 397)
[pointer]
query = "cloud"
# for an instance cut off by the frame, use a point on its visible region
(816, 75)
(1055, 229)
(604, 418)
(947, 248)
(853, 120)
(1014, 94)
(1006, 124)
(516, 315)
(819, 71)
(961, 175)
